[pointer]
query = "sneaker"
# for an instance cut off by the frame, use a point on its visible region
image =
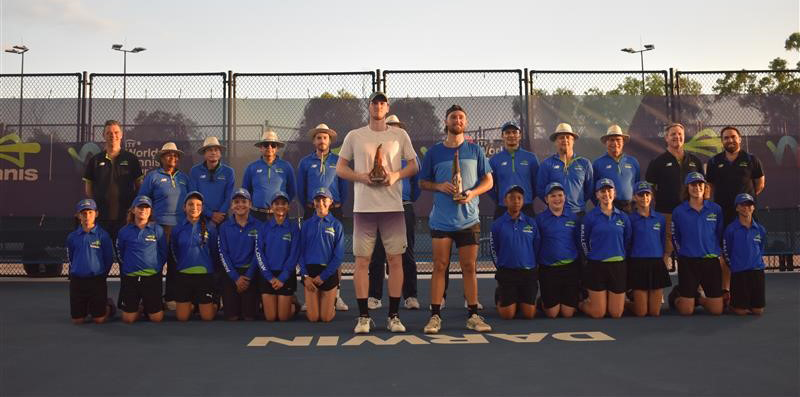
(340, 305)
(476, 323)
(303, 308)
(466, 305)
(170, 305)
(441, 307)
(363, 325)
(434, 325)
(411, 303)
(393, 324)
(374, 303)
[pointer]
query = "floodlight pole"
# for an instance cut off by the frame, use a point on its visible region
(647, 47)
(21, 50)
(118, 47)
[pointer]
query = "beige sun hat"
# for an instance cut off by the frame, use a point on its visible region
(395, 121)
(269, 136)
(563, 128)
(614, 130)
(169, 147)
(210, 142)
(322, 128)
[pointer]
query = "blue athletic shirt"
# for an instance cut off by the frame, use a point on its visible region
(314, 172)
(743, 246)
(648, 235)
(515, 242)
(321, 242)
(605, 238)
(263, 180)
(279, 248)
(237, 246)
(191, 256)
(576, 177)
(514, 168)
(411, 189)
(697, 234)
(437, 165)
(216, 186)
(90, 253)
(560, 238)
(142, 252)
(168, 193)
(625, 173)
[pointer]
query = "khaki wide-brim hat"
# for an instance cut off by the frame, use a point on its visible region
(322, 128)
(270, 136)
(210, 142)
(562, 128)
(614, 130)
(169, 147)
(395, 121)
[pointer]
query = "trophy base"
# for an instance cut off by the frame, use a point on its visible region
(377, 180)
(459, 196)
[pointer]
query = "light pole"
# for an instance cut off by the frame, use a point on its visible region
(20, 49)
(647, 47)
(118, 47)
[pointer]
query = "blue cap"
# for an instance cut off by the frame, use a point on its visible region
(693, 177)
(142, 200)
(277, 195)
(744, 198)
(86, 204)
(551, 186)
(604, 182)
(323, 191)
(241, 192)
(643, 186)
(510, 126)
(194, 193)
(512, 188)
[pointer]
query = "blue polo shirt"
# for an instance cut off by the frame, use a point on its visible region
(278, 249)
(263, 180)
(314, 172)
(193, 255)
(142, 252)
(515, 242)
(90, 253)
(514, 168)
(697, 234)
(576, 177)
(168, 193)
(322, 242)
(560, 238)
(605, 238)
(625, 173)
(237, 246)
(411, 188)
(648, 235)
(216, 186)
(437, 166)
(743, 246)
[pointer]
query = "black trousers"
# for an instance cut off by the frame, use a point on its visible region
(377, 264)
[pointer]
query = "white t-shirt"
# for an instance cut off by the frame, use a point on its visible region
(359, 148)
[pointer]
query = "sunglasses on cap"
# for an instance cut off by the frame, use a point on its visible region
(270, 144)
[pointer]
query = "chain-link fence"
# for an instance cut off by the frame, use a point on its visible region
(33, 106)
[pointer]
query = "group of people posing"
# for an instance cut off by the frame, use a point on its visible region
(239, 244)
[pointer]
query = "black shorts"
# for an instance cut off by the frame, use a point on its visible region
(605, 276)
(237, 304)
(288, 289)
(559, 284)
(699, 271)
(194, 288)
(87, 295)
(315, 269)
(144, 290)
(647, 274)
(747, 289)
(516, 286)
(463, 237)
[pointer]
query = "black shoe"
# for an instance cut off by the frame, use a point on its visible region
(673, 295)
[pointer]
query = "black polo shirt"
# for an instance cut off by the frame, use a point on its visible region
(731, 178)
(113, 183)
(667, 174)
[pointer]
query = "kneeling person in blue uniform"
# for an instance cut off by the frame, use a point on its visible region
(277, 254)
(743, 246)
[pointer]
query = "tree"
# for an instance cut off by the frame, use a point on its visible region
(419, 117)
(342, 112)
(162, 126)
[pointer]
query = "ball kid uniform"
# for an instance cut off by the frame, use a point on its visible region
(263, 180)
(696, 236)
(193, 250)
(215, 185)
(558, 257)
(577, 178)
(514, 168)
(90, 257)
(168, 193)
(277, 254)
(605, 240)
(322, 242)
(142, 253)
(237, 255)
(515, 243)
(314, 172)
(646, 270)
(743, 248)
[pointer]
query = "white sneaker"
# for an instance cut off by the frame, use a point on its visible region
(374, 303)
(363, 325)
(171, 305)
(434, 325)
(466, 305)
(440, 306)
(411, 303)
(476, 323)
(303, 308)
(340, 305)
(393, 324)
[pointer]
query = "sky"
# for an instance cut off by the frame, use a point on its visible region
(67, 36)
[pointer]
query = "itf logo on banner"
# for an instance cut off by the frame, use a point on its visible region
(13, 150)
